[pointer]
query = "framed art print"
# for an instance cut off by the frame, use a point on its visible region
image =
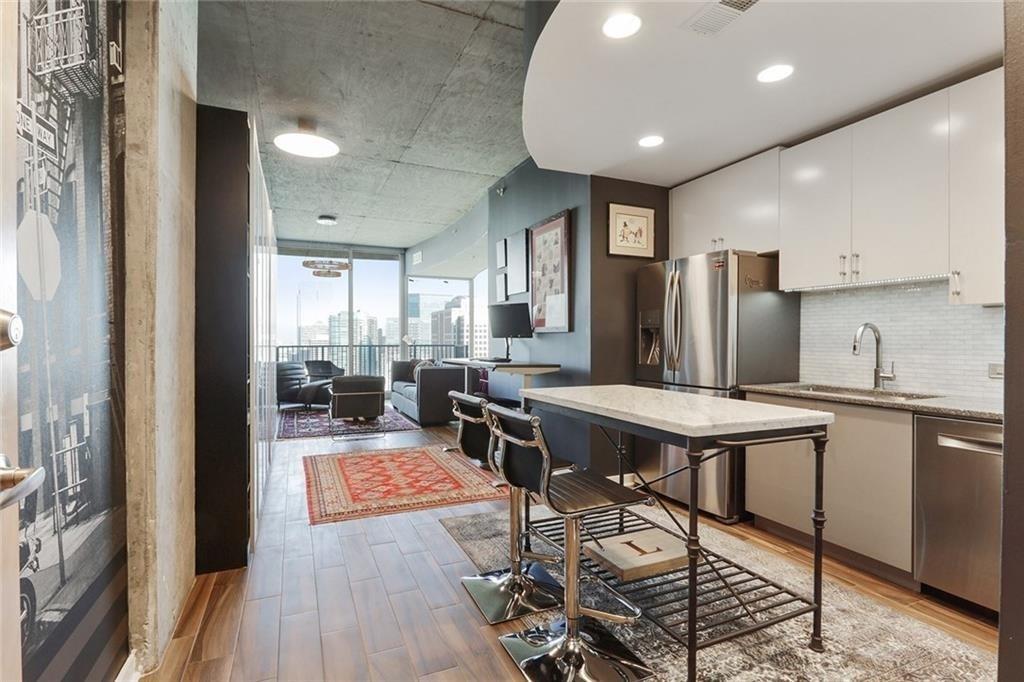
(550, 294)
(501, 287)
(518, 277)
(500, 254)
(630, 231)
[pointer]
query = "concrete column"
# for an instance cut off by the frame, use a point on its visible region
(160, 106)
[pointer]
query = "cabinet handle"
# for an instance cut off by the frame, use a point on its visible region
(842, 266)
(956, 282)
(855, 265)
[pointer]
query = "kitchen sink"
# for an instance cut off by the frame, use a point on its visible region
(875, 393)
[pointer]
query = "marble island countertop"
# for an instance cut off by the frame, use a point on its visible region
(937, 406)
(682, 413)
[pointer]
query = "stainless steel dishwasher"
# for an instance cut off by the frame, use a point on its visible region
(958, 473)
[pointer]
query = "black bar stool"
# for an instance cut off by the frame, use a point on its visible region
(524, 587)
(578, 647)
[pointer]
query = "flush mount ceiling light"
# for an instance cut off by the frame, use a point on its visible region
(327, 219)
(306, 142)
(621, 25)
(650, 140)
(775, 73)
(320, 265)
(326, 273)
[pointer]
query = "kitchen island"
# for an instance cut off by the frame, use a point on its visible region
(735, 600)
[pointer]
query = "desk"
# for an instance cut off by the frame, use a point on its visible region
(706, 427)
(527, 370)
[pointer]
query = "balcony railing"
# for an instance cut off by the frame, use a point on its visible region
(374, 359)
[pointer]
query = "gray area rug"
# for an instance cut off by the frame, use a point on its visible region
(864, 639)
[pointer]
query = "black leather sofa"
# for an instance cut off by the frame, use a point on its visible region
(294, 386)
(425, 398)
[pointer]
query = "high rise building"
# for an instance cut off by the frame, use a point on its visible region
(481, 340)
(392, 330)
(449, 326)
(315, 334)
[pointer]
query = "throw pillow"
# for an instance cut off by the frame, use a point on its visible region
(420, 365)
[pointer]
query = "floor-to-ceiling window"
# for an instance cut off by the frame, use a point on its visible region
(313, 310)
(481, 346)
(376, 319)
(345, 305)
(440, 317)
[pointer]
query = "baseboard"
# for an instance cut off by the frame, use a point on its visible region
(841, 554)
(130, 670)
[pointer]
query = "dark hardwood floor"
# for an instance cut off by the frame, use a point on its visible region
(380, 599)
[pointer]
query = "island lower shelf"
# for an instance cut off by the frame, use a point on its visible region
(732, 599)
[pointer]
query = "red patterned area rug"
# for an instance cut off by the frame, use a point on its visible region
(352, 485)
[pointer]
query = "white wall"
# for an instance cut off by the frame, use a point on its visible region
(938, 347)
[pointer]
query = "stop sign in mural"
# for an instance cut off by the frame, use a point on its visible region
(38, 255)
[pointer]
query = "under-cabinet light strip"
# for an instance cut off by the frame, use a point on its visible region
(875, 283)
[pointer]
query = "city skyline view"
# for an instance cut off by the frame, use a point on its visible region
(314, 310)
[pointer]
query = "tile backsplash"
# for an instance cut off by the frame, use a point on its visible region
(938, 348)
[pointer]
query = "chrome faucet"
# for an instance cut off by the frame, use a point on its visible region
(880, 374)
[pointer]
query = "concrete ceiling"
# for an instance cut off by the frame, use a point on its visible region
(700, 93)
(424, 99)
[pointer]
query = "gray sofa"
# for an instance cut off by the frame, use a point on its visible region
(426, 401)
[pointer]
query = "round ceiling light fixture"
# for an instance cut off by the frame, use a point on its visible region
(621, 25)
(327, 219)
(650, 140)
(306, 142)
(775, 73)
(326, 273)
(320, 265)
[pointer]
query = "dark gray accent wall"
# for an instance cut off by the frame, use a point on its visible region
(601, 347)
(529, 196)
(535, 16)
(1011, 613)
(613, 283)
(614, 280)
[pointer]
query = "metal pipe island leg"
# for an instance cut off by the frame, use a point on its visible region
(818, 517)
(693, 553)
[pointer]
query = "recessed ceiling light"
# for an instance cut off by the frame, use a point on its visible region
(621, 25)
(327, 219)
(775, 73)
(650, 140)
(306, 142)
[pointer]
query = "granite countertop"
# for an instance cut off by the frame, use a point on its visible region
(683, 413)
(944, 406)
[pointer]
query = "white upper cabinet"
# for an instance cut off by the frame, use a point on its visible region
(814, 212)
(736, 207)
(977, 231)
(900, 190)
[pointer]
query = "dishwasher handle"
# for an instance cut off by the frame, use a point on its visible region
(987, 446)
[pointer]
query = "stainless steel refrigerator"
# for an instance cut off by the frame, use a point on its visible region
(708, 324)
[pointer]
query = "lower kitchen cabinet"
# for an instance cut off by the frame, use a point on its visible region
(869, 485)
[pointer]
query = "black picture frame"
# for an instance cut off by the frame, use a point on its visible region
(518, 281)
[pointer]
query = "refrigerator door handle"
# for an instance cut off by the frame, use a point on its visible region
(677, 325)
(667, 317)
(673, 325)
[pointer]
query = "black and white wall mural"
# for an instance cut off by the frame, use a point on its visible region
(70, 377)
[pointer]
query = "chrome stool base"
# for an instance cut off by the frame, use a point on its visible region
(547, 654)
(502, 596)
